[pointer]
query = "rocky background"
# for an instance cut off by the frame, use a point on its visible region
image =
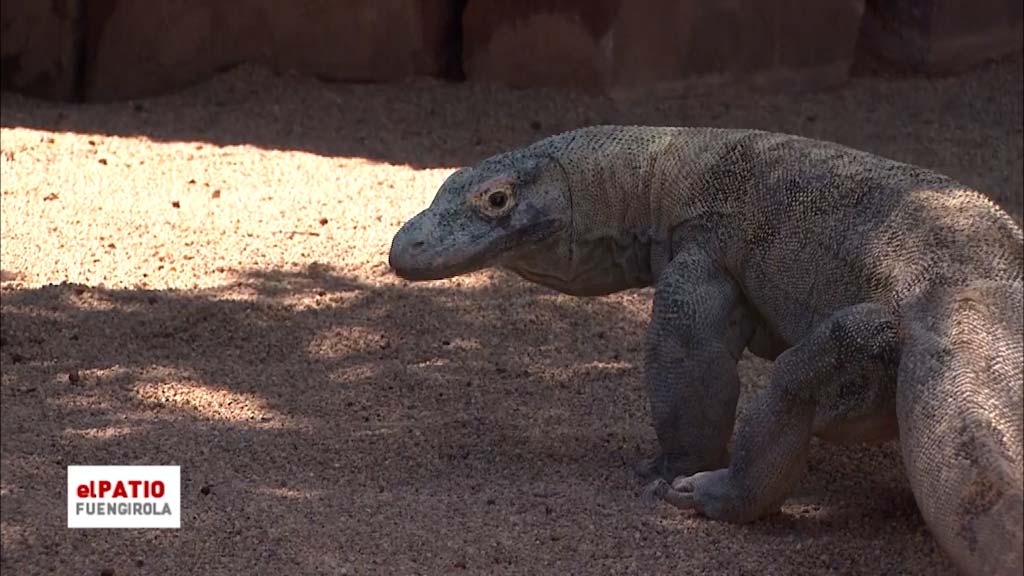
(116, 49)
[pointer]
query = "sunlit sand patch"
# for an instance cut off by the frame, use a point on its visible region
(312, 299)
(609, 366)
(292, 287)
(288, 493)
(140, 204)
(346, 342)
(465, 344)
(432, 363)
(433, 371)
(359, 373)
(384, 431)
(103, 433)
(97, 380)
(36, 311)
(170, 388)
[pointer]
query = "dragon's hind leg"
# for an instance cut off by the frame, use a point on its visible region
(959, 406)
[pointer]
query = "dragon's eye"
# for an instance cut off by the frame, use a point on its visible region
(497, 199)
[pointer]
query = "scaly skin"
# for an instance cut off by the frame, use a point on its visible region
(889, 295)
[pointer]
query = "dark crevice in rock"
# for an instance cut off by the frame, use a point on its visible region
(78, 42)
(453, 69)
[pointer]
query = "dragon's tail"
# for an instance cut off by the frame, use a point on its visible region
(960, 419)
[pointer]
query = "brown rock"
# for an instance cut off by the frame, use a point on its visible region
(38, 47)
(618, 45)
(940, 36)
(538, 42)
(357, 40)
(136, 47)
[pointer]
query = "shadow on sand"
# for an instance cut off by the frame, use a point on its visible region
(323, 424)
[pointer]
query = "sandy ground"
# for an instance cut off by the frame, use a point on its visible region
(202, 280)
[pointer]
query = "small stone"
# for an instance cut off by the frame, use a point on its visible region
(323, 221)
(176, 204)
(74, 377)
(103, 161)
(206, 489)
(215, 194)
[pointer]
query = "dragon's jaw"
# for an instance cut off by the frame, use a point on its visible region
(424, 250)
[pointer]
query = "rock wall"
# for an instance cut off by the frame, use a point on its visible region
(132, 48)
(111, 49)
(39, 47)
(941, 36)
(619, 44)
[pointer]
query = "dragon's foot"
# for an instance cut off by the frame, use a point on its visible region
(659, 490)
(655, 492)
(715, 494)
(710, 493)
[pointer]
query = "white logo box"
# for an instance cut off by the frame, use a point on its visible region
(124, 497)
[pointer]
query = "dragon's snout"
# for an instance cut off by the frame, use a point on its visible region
(408, 256)
(428, 248)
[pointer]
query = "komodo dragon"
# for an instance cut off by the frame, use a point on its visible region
(889, 295)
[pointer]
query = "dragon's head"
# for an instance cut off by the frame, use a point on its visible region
(483, 216)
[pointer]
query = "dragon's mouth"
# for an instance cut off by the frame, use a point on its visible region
(420, 251)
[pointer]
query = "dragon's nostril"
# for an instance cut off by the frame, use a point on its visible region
(418, 244)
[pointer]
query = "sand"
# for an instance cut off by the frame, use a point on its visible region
(201, 279)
